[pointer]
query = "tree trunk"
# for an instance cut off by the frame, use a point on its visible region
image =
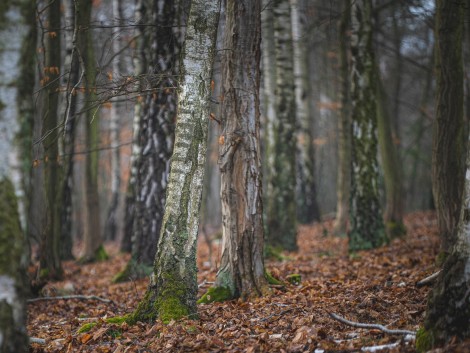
(306, 193)
(50, 239)
(344, 127)
(111, 226)
(13, 247)
(448, 140)
(392, 166)
(156, 132)
(367, 228)
(241, 267)
(93, 241)
(281, 204)
(173, 285)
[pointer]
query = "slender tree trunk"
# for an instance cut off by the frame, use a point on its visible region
(50, 239)
(93, 241)
(13, 247)
(367, 228)
(393, 216)
(281, 204)
(241, 268)
(448, 141)
(70, 122)
(111, 226)
(156, 131)
(344, 127)
(173, 285)
(306, 196)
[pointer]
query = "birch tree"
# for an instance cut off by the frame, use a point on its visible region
(173, 286)
(159, 50)
(281, 211)
(367, 228)
(448, 139)
(241, 272)
(13, 259)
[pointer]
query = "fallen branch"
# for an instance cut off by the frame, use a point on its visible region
(37, 340)
(379, 348)
(428, 280)
(371, 326)
(66, 297)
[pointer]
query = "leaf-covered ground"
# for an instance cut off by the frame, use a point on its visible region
(372, 287)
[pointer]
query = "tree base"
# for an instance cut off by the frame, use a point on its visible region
(216, 294)
(99, 255)
(132, 271)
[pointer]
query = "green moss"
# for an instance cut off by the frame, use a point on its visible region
(424, 340)
(86, 327)
(395, 229)
(216, 294)
(273, 253)
(272, 280)
(171, 308)
(44, 273)
(294, 278)
(441, 258)
(100, 254)
(115, 333)
(117, 319)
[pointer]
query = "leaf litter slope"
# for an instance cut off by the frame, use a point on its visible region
(373, 287)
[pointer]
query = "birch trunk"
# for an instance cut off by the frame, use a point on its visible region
(241, 268)
(111, 226)
(156, 131)
(281, 204)
(93, 241)
(173, 285)
(50, 237)
(13, 253)
(344, 127)
(307, 205)
(367, 228)
(448, 140)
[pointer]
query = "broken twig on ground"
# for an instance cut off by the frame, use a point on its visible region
(371, 326)
(67, 297)
(428, 280)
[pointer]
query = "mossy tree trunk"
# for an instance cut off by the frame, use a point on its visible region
(53, 169)
(93, 240)
(14, 253)
(392, 166)
(448, 140)
(367, 228)
(281, 211)
(241, 267)
(173, 285)
(448, 309)
(344, 126)
(160, 51)
(306, 193)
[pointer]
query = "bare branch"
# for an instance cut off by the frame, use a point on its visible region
(428, 280)
(66, 297)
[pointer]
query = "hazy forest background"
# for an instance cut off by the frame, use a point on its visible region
(313, 152)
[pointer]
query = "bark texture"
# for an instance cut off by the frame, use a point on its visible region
(281, 149)
(50, 237)
(344, 126)
(173, 285)
(367, 228)
(242, 267)
(448, 140)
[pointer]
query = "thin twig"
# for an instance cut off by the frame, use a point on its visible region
(371, 326)
(66, 297)
(37, 340)
(428, 280)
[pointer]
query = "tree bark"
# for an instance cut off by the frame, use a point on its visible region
(344, 127)
(448, 140)
(367, 228)
(281, 204)
(241, 267)
(50, 239)
(173, 285)
(93, 241)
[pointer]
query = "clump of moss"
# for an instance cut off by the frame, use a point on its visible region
(424, 340)
(117, 319)
(86, 327)
(100, 254)
(395, 229)
(273, 280)
(215, 294)
(273, 253)
(294, 279)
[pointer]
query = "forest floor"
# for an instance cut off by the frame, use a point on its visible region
(377, 286)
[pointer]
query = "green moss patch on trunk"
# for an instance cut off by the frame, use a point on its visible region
(216, 294)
